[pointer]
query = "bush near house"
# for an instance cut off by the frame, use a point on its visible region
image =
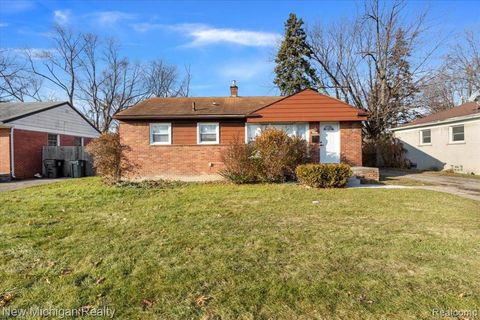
(324, 175)
(272, 157)
(107, 153)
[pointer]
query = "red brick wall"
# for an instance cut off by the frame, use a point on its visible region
(28, 151)
(67, 140)
(186, 157)
(351, 143)
(183, 157)
(4, 151)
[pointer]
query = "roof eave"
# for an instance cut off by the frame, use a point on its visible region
(438, 122)
(180, 117)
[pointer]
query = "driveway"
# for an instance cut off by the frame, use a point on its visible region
(20, 184)
(461, 186)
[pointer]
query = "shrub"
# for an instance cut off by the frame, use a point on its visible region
(272, 157)
(386, 151)
(240, 163)
(324, 175)
(279, 155)
(107, 153)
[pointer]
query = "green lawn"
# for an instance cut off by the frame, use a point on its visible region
(211, 251)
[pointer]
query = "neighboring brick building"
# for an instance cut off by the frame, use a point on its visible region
(26, 127)
(180, 137)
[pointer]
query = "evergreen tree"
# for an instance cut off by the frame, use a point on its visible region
(401, 84)
(293, 70)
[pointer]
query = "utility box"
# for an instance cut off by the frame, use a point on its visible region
(77, 168)
(53, 168)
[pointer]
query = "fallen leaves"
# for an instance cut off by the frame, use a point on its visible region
(147, 303)
(6, 299)
(100, 280)
(65, 271)
(202, 301)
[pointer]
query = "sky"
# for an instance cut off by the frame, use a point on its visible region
(219, 40)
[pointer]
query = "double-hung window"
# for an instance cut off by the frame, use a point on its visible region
(208, 133)
(53, 140)
(457, 134)
(160, 133)
(426, 136)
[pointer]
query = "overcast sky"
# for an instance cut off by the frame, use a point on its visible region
(221, 41)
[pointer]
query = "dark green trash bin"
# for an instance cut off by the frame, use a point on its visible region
(77, 168)
(53, 168)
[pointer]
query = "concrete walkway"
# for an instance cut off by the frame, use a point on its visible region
(460, 186)
(21, 184)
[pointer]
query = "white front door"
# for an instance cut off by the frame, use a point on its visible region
(329, 142)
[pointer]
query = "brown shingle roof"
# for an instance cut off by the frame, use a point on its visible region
(465, 109)
(170, 108)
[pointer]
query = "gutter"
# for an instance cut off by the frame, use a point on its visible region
(12, 154)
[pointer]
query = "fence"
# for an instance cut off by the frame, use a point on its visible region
(67, 154)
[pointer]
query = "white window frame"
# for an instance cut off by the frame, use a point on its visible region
(272, 124)
(450, 134)
(58, 139)
(152, 125)
(217, 132)
(421, 138)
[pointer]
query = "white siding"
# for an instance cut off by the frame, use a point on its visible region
(60, 120)
(441, 153)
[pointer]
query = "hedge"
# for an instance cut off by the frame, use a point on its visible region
(324, 175)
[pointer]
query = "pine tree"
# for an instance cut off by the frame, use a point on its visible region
(401, 85)
(293, 70)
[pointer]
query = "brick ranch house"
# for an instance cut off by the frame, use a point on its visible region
(184, 137)
(25, 127)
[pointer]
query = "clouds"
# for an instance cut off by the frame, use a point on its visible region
(203, 35)
(109, 18)
(61, 16)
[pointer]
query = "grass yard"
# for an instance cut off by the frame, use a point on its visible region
(211, 251)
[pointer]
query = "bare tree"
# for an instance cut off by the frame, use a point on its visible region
(109, 83)
(163, 80)
(15, 82)
(60, 65)
(369, 63)
(462, 65)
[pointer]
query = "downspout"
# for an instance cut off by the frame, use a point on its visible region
(12, 154)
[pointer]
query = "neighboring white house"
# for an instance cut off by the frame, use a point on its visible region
(445, 140)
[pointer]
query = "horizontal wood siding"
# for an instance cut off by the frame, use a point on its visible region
(307, 105)
(185, 132)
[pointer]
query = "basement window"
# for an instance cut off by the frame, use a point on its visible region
(53, 140)
(457, 134)
(426, 136)
(208, 133)
(160, 133)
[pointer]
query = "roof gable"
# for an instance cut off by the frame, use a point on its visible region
(14, 110)
(308, 105)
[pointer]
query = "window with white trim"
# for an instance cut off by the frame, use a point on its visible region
(457, 134)
(208, 133)
(425, 136)
(53, 140)
(292, 129)
(160, 133)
